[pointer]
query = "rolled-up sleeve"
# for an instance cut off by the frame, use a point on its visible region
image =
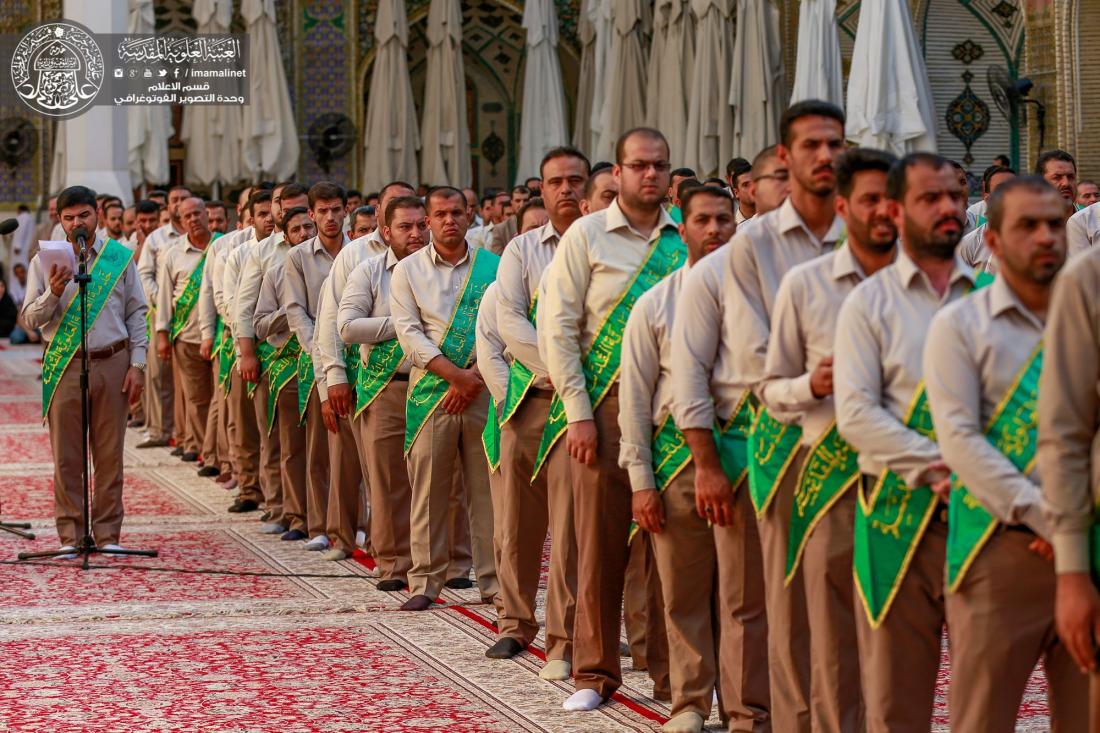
(641, 368)
(406, 319)
(40, 305)
(695, 332)
(1069, 412)
(564, 301)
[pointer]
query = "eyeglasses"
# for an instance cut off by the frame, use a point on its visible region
(781, 176)
(642, 166)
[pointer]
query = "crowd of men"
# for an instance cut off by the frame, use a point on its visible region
(787, 423)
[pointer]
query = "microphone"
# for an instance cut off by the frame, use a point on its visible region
(80, 237)
(8, 226)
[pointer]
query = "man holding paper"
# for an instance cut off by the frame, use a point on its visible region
(116, 356)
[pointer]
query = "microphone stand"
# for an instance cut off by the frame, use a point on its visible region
(86, 547)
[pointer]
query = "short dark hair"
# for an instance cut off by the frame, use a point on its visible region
(325, 191)
(897, 180)
(158, 192)
(364, 210)
(993, 170)
(713, 191)
(446, 193)
(858, 160)
(682, 172)
(590, 184)
(685, 185)
(354, 192)
(995, 207)
(401, 202)
(215, 204)
(113, 204)
(145, 206)
(486, 199)
(721, 183)
(1087, 182)
(1049, 155)
(292, 191)
(647, 132)
(396, 184)
(769, 153)
(259, 196)
(520, 188)
(179, 187)
(807, 108)
(601, 165)
(534, 202)
(75, 196)
(290, 213)
(737, 167)
(1007, 162)
(538, 179)
(562, 151)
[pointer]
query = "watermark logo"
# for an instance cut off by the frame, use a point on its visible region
(57, 69)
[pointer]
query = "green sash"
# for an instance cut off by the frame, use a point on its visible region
(227, 356)
(520, 378)
(105, 272)
(457, 344)
(773, 446)
(306, 383)
(189, 298)
(831, 468)
(219, 336)
(265, 352)
(890, 524)
(1013, 430)
(676, 214)
(283, 368)
(601, 363)
(490, 437)
(383, 361)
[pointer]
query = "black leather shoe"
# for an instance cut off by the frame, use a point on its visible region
(293, 534)
(459, 583)
(265, 516)
(392, 584)
(209, 472)
(243, 505)
(417, 603)
(153, 443)
(189, 457)
(177, 451)
(505, 648)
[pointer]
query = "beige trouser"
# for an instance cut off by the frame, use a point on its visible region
(292, 457)
(656, 637)
(197, 390)
(688, 568)
(160, 401)
(900, 660)
(527, 509)
(601, 514)
(215, 447)
(271, 477)
(1094, 701)
(835, 703)
(182, 437)
(246, 439)
(1001, 623)
(635, 599)
(107, 430)
(225, 435)
(788, 627)
(362, 445)
(382, 432)
(317, 468)
(344, 498)
(445, 443)
(462, 556)
(743, 687)
(137, 409)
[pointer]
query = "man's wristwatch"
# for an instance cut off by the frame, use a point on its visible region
(137, 365)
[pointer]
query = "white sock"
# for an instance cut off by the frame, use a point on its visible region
(583, 700)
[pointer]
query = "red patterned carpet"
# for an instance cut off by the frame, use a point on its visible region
(232, 630)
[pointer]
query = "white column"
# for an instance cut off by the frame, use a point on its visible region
(96, 147)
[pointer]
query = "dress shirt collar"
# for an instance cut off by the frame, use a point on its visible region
(433, 253)
(845, 263)
(190, 246)
(317, 245)
(908, 270)
(391, 259)
(789, 219)
(616, 219)
(548, 235)
(1002, 298)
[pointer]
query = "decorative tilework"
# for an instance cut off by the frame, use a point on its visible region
(325, 82)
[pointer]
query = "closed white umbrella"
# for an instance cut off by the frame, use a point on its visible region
(756, 86)
(148, 126)
(889, 98)
(582, 119)
(391, 135)
(622, 105)
(671, 62)
(817, 71)
(543, 125)
(212, 133)
(269, 137)
(709, 138)
(445, 135)
(57, 165)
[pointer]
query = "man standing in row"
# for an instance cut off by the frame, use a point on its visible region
(529, 506)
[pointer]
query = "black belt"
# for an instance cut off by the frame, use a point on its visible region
(399, 377)
(97, 354)
(542, 394)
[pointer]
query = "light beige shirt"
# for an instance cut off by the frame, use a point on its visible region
(492, 359)
(269, 319)
(231, 280)
(152, 254)
(1083, 230)
(260, 258)
(238, 238)
(364, 314)
(645, 384)
(176, 267)
(976, 348)
(208, 307)
(327, 337)
(880, 336)
(481, 236)
(973, 251)
(595, 261)
(423, 292)
(521, 269)
(122, 317)
(803, 331)
(1069, 411)
(306, 268)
